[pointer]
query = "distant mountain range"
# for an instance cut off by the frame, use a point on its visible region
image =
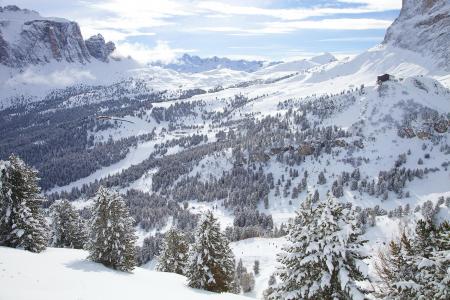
(195, 64)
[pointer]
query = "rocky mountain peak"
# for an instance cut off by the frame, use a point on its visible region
(423, 26)
(98, 48)
(28, 38)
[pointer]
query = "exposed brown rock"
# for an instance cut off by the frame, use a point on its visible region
(306, 149)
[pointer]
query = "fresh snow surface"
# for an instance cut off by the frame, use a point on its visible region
(263, 249)
(67, 274)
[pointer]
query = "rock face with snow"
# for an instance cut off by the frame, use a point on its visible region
(194, 64)
(28, 38)
(98, 48)
(423, 26)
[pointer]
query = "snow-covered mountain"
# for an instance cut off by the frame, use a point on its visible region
(28, 38)
(298, 65)
(248, 141)
(195, 64)
(423, 26)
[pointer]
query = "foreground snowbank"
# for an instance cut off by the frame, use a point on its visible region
(66, 274)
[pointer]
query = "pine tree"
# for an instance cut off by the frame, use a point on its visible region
(22, 223)
(211, 262)
(323, 258)
(174, 253)
(321, 179)
(267, 294)
(112, 237)
(431, 260)
(256, 267)
(316, 196)
(67, 228)
(395, 269)
(240, 269)
(417, 267)
(247, 282)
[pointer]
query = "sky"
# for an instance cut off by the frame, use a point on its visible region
(162, 30)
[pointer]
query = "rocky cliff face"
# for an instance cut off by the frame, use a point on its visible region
(27, 38)
(423, 26)
(98, 48)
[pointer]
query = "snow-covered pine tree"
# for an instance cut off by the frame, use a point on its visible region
(256, 267)
(395, 269)
(67, 228)
(323, 259)
(211, 262)
(417, 267)
(247, 282)
(321, 179)
(112, 237)
(267, 294)
(174, 252)
(240, 269)
(431, 260)
(22, 223)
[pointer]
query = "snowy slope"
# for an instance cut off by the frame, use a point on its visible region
(66, 274)
(298, 65)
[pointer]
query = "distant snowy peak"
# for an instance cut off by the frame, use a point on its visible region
(423, 26)
(299, 65)
(195, 64)
(28, 38)
(323, 59)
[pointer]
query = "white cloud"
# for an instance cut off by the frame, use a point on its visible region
(144, 54)
(376, 5)
(292, 14)
(119, 20)
(59, 78)
(354, 39)
(291, 26)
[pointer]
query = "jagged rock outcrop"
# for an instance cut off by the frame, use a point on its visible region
(423, 26)
(98, 48)
(28, 38)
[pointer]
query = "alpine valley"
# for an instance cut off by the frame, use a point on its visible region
(250, 141)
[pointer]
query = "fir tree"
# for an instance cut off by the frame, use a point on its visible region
(316, 196)
(112, 237)
(67, 228)
(22, 224)
(431, 260)
(174, 251)
(256, 267)
(211, 262)
(321, 179)
(267, 294)
(240, 269)
(417, 267)
(323, 258)
(247, 282)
